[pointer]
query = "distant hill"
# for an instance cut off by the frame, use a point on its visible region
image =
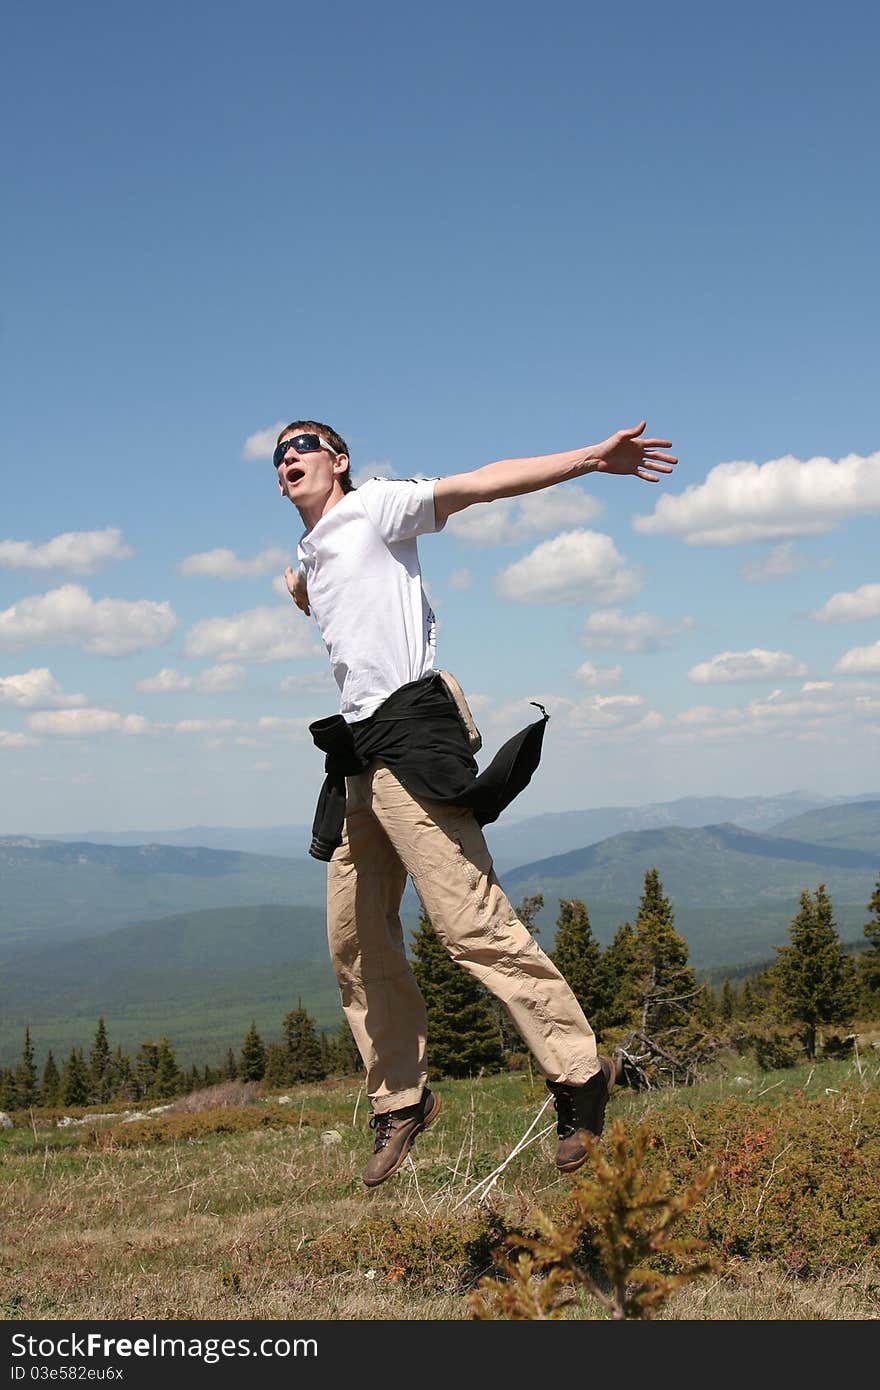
(734, 891)
(851, 826)
(512, 840)
(55, 892)
(198, 977)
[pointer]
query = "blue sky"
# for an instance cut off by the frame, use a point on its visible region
(457, 236)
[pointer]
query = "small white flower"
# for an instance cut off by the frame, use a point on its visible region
(370, 1274)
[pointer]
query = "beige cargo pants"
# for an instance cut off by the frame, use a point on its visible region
(387, 835)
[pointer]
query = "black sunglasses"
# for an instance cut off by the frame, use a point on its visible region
(303, 444)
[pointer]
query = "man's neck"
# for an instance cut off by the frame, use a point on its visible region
(311, 513)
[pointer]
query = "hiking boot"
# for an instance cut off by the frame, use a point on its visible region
(395, 1132)
(580, 1115)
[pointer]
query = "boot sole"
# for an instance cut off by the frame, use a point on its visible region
(428, 1120)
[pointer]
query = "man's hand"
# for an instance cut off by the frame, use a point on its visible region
(296, 587)
(626, 455)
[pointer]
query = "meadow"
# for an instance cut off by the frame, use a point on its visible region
(256, 1210)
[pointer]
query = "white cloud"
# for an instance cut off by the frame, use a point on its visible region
(164, 682)
(225, 564)
(78, 552)
(605, 711)
(460, 579)
(817, 685)
(745, 501)
(781, 560)
(291, 728)
(707, 716)
(591, 674)
(261, 445)
(859, 660)
(510, 519)
(574, 567)
(753, 665)
(77, 723)
(380, 468)
(203, 726)
(10, 740)
(217, 680)
(315, 683)
(70, 616)
(852, 607)
(259, 635)
(36, 689)
(630, 632)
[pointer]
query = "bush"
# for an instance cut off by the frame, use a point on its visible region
(775, 1050)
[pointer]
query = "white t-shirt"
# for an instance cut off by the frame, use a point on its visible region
(365, 590)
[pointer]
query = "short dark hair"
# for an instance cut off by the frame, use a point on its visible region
(336, 442)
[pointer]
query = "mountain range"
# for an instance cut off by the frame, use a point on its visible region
(194, 941)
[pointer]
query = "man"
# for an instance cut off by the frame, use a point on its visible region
(401, 795)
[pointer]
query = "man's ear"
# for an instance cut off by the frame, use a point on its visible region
(342, 463)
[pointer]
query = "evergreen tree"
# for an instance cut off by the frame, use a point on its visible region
(210, 1077)
(870, 962)
(816, 980)
(75, 1079)
(727, 1003)
(462, 1032)
(193, 1080)
(123, 1084)
(50, 1088)
(8, 1090)
(275, 1075)
(252, 1062)
(345, 1060)
(26, 1075)
(99, 1065)
(668, 984)
(301, 1048)
(146, 1064)
(620, 976)
(168, 1080)
(528, 910)
(747, 1000)
(577, 956)
(230, 1067)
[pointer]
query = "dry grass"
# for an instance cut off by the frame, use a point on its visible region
(274, 1223)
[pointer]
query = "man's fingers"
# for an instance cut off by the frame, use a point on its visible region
(656, 443)
(661, 458)
(635, 431)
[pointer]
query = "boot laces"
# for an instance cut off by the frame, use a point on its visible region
(382, 1125)
(563, 1103)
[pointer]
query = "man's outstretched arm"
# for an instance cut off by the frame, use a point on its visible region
(624, 453)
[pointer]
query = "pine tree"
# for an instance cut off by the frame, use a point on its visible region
(252, 1062)
(669, 985)
(345, 1060)
(577, 956)
(168, 1080)
(8, 1090)
(727, 1003)
(50, 1087)
(145, 1066)
(193, 1080)
(620, 976)
(815, 978)
(275, 1075)
(75, 1079)
(99, 1065)
(870, 963)
(462, 1032)
(26, 1075)
(301, 1048)
(528, 910)
(123, 1084)
(230, 1067)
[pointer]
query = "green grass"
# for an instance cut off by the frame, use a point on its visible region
(274, 1222)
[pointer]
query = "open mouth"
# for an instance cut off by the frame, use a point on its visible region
(294, 475)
